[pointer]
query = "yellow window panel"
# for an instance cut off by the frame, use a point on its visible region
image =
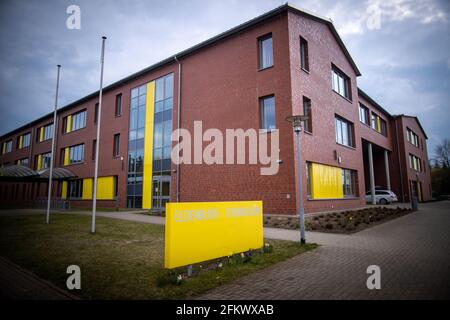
(64, 190)
(326, 182)
(69, 123)
(105, 188)
(41, 134)
(88, 184)
(66, 156)
(39, 164)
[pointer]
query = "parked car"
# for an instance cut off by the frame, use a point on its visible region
(382, 197)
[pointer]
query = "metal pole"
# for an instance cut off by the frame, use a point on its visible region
(178, 125)
(371, 174)
(94, 196)
(53, 149)
(300, 185)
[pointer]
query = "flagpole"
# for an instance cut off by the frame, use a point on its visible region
(99, 116)
(53, 149)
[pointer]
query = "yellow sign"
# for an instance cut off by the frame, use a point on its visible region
(201, 231)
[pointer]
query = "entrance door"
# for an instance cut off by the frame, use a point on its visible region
(161, 192)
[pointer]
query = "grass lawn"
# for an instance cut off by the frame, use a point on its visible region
(123, 260)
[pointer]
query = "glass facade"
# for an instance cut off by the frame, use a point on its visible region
(162, 143)
(136, 147)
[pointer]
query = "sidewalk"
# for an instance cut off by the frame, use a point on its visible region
(17, 283)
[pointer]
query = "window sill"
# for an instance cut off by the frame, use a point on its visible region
(343, 97)
(267, 131)
(304, 70)
(343, 145)
(73, 164)
(333, 199)
(266, 68)
(73, 131)
(308, 132)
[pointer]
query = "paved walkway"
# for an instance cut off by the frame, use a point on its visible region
(18, 283)
(413, 253)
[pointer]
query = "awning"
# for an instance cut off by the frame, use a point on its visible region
(58, 174)
(22, 173)
(17, 171)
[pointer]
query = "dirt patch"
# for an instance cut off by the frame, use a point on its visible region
(339, 222)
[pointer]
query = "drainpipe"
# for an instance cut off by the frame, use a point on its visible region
(178, 124)
(399, 162)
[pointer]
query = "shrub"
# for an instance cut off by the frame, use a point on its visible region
(329, 226)
(169, 278)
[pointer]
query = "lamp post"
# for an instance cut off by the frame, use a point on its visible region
(296, 122)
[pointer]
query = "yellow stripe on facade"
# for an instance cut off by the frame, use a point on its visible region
(66, 156)
(148, 147)
(64, 190)
(87, 189)
(20, 142)
(69, 123)
(326, 182)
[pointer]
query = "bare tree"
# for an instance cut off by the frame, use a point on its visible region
(442, 153)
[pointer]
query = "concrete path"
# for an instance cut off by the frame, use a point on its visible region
(413, 253)
(18, 283)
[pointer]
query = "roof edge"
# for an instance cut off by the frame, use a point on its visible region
(368, 98)
(417, 120)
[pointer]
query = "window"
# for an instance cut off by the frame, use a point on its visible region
(383, 127)
(94, 148)
(341, 83)
(304, 59)
(349, 182)
(75, 188)
(412, 137)
(116, 146)
(96, 113)
(23, 162)
(363, 114)
(307, 112)
(267, 105)
(43, 161)
(118, 108)
(265, 52)
(415, 163)
(74, 122)
(344, 132)
(44, 133)
(378, 124)
(7, 146)
(23, 141)
(76, 154)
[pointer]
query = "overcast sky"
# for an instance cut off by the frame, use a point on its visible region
(404, 59)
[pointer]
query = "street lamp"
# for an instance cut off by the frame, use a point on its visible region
(296, 122)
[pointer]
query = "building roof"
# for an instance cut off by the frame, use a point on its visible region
(244, 26)
(373, 102)
(414, 117)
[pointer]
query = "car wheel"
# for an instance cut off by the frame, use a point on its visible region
(383, 201)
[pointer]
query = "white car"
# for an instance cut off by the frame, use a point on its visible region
(382, 197)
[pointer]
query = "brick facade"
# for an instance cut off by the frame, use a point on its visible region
(221, 85)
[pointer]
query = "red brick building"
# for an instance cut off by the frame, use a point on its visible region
(284, 62)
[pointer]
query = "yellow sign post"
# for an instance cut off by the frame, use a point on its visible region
(201, 231)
